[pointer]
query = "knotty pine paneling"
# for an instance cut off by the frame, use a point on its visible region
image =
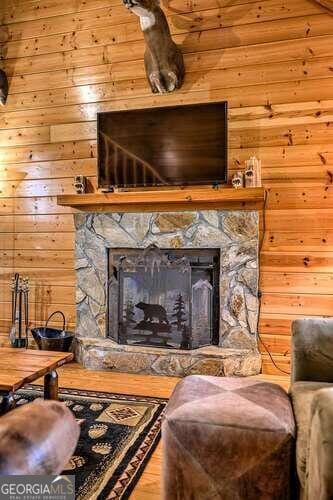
(271, 59)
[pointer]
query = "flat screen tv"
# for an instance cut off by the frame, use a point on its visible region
(169, 146)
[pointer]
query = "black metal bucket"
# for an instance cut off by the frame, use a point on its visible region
(53, 339)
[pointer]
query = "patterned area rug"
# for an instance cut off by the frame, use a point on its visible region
(118, 435)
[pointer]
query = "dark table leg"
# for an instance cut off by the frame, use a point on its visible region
(7, 403)
(51, 385)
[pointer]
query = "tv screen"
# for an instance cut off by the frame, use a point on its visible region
(180, 145)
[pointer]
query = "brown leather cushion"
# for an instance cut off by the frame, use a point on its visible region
(302, 394)
(230, 438)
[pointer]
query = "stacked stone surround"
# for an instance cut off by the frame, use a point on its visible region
(236, 233)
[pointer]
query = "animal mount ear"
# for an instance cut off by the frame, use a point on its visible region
(3, 87)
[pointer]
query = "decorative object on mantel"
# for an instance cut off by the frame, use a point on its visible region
(164, 61)
(80, 184)
(3, 87)
(249, 174)
(20, 311)
(118, 435)
(252, 173)
(237, 180)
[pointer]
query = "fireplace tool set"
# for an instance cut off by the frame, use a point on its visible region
(20, 311)
(46, 338)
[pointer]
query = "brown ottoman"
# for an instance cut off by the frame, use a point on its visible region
(228, 438)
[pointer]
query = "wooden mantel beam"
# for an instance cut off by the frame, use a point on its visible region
(168, 200)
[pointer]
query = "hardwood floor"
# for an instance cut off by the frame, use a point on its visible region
(74, 376)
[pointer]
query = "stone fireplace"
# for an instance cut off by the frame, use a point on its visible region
(171, 293)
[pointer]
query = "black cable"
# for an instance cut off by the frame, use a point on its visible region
(271, 357)
(260, 295)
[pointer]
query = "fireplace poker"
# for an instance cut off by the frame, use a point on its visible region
(13, 297)
(20, 311)
(26, 309)
(20, 289)
(23, 290)
(15, 286)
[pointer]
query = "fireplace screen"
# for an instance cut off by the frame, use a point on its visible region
(164, 298)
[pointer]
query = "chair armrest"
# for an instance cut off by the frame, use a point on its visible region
(319, 483)
(312, 350)
(37, 438)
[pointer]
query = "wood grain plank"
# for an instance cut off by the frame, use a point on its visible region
(293, 241)
(302, 262)
(39, 312)
(304, 155)
(250, 12)
(310, 219)
(300, 198)
(98, 98)
(283, 365)
(32, 205)
(73, 71)
(36, 223)
(276, 344)
(285, 282)
(37, 241)
(40, 294)
(303, 304)
(49, 152)
(48, 170)
(319, 133)
(38, 135)
(48, 187)
(276, 324)
(42, 258)
(33, 10)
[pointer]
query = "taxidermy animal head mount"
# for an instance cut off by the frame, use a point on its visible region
(164, 61)
(3, 87)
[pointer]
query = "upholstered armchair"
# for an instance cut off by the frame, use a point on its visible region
(312, 398)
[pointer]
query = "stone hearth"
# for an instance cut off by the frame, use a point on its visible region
(235, 233)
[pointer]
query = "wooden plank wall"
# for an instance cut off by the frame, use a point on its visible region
(271, 59)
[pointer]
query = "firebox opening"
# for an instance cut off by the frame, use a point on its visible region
(164, 297)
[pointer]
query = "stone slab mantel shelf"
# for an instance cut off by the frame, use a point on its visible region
(165, 200)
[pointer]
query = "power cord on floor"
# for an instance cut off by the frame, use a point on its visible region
(259, 295)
